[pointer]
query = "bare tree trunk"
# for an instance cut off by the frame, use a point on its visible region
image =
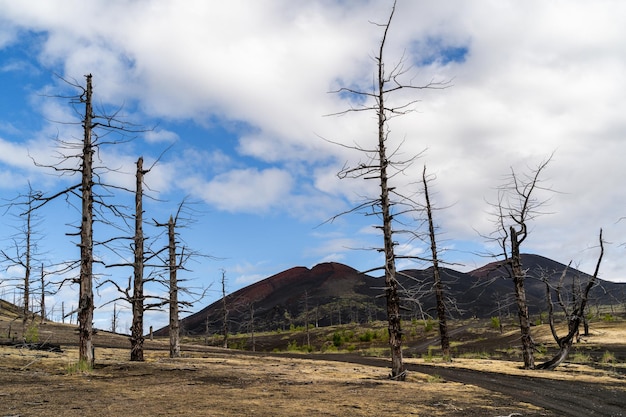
(441, 306)
(253, 340)
(136, 331)
(306, 318)
(206, 330)
(224, 312)
(43, 295)
(574, 318)
(27, 272)
(519, 275)
(174, 322)
(85, 302)
(114, 319)
(391, 283)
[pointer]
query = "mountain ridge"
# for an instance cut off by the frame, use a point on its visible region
(333, 293)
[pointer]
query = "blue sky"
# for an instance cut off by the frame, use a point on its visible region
(240, 91)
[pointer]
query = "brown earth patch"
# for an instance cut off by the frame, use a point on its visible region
(227, 384)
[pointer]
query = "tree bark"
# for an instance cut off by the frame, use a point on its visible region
(441, 306)
(224, 313)
(391, 283)
(27, 272)
(85, 302)
(136, 337)
(174, 322)
(43, 295)
(528, 345)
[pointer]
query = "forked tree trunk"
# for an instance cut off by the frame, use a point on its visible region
(85, 302)
(136, 330)
(174, 322)
(575, 317)
(519, 276)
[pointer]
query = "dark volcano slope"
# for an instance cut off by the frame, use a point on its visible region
(333, 293)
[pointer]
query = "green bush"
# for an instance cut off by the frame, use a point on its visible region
(368, 336)
(608, 317)
(581, 357)
(337, 339)
(495, 323)
(78, 367)
(32, 334)
(428, 325)
(608, 357)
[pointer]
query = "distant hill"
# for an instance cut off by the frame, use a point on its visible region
(333, 293)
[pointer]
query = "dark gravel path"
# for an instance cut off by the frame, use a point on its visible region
(581, 399)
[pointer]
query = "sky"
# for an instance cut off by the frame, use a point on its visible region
(238, 99)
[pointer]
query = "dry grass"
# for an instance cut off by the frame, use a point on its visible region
(227, 384)
(567, 372)
(216, 382)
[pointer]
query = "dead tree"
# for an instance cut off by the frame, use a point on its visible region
(42, 302)
(137, 300)
(437, 284)
(96, 127)
(381, 165)
(224, 312)
(173, 303)
(177, 257)
(517, 206)
(251, 326)
(24, 253)
(306, 318)
(574, 313)
(114, 318)
(143, 255)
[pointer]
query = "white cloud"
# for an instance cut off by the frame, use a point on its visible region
(160, 135)
(537, 77)
(248, 190)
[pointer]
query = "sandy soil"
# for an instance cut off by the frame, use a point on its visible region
(230, 384)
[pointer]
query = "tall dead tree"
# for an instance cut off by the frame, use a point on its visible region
(42, 302)
(85, 300)
(381, 166)
(437, 284)
(24, 249)
(574, 313)
(517, 206)
(27, 267)
(134, 293)
(224, 312)
(177, 257)
(137, 300)
(173, 302)
(95, 128)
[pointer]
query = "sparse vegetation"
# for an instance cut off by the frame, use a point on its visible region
(608, 317)
(260, 376)
(32, 334)
(608, 357)
(581, 357)
(78, 367)
(495, 323)
(434, 379)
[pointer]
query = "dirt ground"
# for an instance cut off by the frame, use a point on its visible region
(210, 381)
(229, 384)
